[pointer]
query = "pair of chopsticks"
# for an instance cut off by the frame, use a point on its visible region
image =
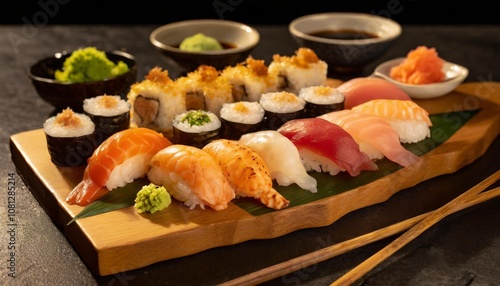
(414, 226)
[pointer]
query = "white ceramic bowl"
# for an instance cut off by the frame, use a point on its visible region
(348, 55)
(167, 38)
(454, 75)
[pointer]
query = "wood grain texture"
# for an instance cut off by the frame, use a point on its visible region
(123, 240)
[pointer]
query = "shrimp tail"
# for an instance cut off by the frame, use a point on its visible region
(273, 199)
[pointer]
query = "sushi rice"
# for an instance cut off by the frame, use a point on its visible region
(321, 95)
(54, 128)
(183, 125)
(106, 105)
(243, 112)
(281, 102)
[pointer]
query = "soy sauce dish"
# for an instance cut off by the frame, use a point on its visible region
(454, 75)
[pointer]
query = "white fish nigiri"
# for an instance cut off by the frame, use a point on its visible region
(281, 157)
(374, 135)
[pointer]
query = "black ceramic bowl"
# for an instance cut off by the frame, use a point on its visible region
(62, 95)
(354, 39)
(167, 38)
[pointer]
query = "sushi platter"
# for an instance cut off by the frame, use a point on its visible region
(124, 239)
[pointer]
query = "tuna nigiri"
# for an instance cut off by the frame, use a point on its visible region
(281, 157)
(246, 172)
(326, 147)
(362, 89)
(119, 160)
(192, 176)
(411, 121)
(374, 135)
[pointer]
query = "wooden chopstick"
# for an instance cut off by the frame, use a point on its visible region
(434, 217)
(329, 252)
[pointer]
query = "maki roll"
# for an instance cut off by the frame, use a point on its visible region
(155, 101)
(195, 128)
(249, 80)
(204, 89)
(70, 138)
(240, 118)
(321, 99)
(298, 71)
(110, 114)
(281, 107)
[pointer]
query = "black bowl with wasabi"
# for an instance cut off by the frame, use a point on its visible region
(212, 42)
(74, 86)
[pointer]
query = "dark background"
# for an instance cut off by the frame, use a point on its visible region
(42, 12)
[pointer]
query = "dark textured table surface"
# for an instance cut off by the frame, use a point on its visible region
(463, 249)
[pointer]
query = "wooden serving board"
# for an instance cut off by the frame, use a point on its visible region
(124, 240)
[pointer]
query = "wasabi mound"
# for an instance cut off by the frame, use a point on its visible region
(152, 198)
(199, 43)
(89, 64)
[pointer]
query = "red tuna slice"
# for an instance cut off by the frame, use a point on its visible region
(362, 89)
(328, 140)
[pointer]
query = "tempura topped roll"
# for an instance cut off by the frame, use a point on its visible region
(204, 89)
(249, 80)
(155, 101)
(240, 118)
(281, 107)
(70, 138)
(298, 71)
(196, 128)
(110, 114)
(321, 99)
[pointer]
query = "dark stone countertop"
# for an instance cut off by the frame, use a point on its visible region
(463, 249)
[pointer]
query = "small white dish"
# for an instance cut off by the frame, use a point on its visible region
(454, 75)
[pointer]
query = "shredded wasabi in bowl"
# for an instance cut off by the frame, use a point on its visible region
(89, 64)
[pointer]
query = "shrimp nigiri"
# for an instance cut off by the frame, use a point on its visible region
(192, 176)
(246, 171)
(411, 121)
(119, 160)
(373, 134)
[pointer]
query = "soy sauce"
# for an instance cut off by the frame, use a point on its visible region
(344, 34)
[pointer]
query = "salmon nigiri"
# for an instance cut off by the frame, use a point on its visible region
(411, 121)
(246, 171)
(192, 176)
(326, 147)
(119, 160)
(374, 135)
(362, 89)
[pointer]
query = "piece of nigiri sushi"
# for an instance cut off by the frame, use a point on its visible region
(411, 121)
(192, 176)
(374, 135)
(326, 147)
(246, 172)
(362, 89)
(119, 160)
(281, 157)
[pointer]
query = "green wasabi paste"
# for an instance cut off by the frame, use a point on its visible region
(89, 64)
(152, 198)
(197, 118)
(199, 43)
